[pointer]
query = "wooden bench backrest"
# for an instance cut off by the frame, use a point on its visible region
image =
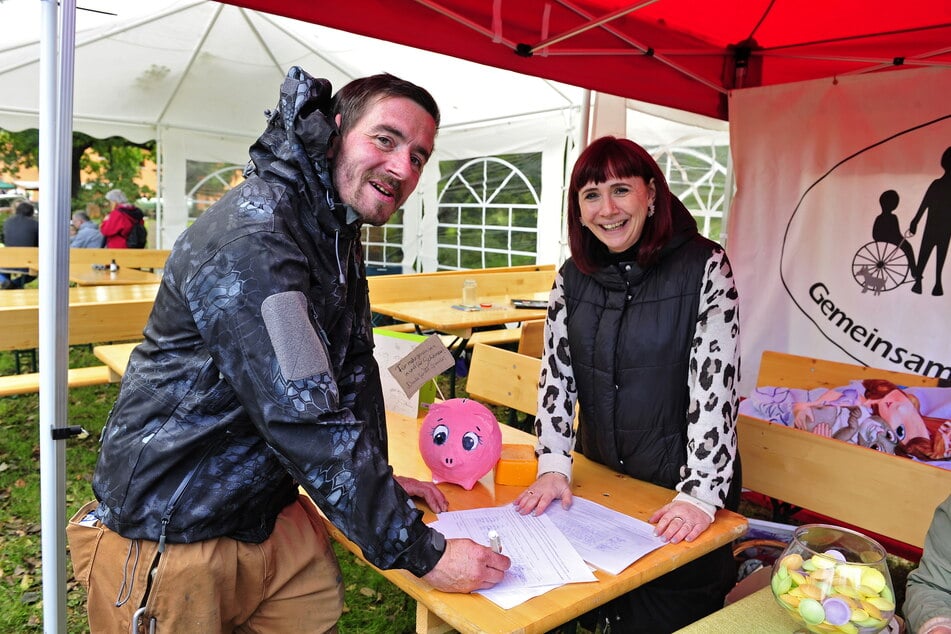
(789, 370)
(491, 282)
(29, 257)
(96, 315)
(505, 378)
(131, 258)
(881, 493)
(531, 341)
(19, 257)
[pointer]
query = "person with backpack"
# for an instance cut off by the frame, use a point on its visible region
(124, 227)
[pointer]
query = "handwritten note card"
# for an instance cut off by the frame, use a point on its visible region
(390, 347)
(424, 362)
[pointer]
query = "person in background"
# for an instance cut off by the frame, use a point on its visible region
(927, 606)
(256, 377)
(87, 235)
(20, 230)
(642, 332)
(119, 222)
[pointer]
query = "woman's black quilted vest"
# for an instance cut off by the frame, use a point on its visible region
(630, 332)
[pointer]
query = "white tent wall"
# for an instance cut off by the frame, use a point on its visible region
(175, 148)
(548, 133)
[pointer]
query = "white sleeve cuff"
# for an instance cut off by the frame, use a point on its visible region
(554, 462)
(707, 508)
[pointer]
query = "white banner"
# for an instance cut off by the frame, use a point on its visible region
(832, 176)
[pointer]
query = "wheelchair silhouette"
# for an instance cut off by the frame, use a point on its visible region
(880, 266)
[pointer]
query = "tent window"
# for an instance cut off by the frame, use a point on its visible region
(383, 246)
(697, 175)
(488, 212)
(207, 182)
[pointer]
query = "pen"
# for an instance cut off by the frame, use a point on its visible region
(495, 542)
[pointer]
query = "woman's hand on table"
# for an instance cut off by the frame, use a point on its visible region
(467, 566)
(548, 487)
(679, 521)
(426, 490)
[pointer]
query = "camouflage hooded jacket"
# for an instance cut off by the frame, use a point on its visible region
(256, 372)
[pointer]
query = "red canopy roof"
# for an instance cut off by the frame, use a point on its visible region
(684, 54)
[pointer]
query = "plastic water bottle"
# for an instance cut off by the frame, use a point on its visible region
(470, 295)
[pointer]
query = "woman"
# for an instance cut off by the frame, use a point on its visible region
(642, 331)
(118, 224)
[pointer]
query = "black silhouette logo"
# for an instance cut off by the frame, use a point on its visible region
(889, 260)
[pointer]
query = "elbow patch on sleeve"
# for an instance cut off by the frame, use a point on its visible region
(300, 352)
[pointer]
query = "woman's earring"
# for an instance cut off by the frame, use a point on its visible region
(650, 209)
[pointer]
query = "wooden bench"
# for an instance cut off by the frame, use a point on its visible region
(532, 340)
(514, 281)
(888, 496)
(96, 314)
(448, 284)
(76, 377)
(502, 377)
(128, 258)
(884, 494)
(29, 257)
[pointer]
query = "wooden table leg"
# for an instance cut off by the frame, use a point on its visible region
(429, 623)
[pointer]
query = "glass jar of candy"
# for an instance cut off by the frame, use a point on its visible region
(832, 579)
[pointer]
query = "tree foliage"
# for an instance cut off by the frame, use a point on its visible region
(111, 163)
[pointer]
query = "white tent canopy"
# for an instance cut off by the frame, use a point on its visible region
(197, 76)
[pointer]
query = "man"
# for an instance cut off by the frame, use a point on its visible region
(256, 374)
(87, 232)
(20, 230)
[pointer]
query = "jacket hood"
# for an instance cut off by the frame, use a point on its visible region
(293, 148)
(132, 211)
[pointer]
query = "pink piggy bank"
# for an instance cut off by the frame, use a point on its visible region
(460, 441)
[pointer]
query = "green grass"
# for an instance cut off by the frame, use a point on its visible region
(372, 604)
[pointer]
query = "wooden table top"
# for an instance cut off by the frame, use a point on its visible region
(439, 314)
(474, 613)
(29, 298)
(84, 275)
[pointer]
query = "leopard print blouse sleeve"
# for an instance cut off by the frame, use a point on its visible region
(557, 392)
(712, 380)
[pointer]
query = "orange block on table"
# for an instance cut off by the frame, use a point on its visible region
(517, 465)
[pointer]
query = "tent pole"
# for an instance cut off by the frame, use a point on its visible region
(56, 86)
(585, 119)
(727, 199)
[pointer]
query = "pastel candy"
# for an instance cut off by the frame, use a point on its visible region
(828, 594)
(837, 611)
(873, 579)
(835, 555)
(812, 611)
